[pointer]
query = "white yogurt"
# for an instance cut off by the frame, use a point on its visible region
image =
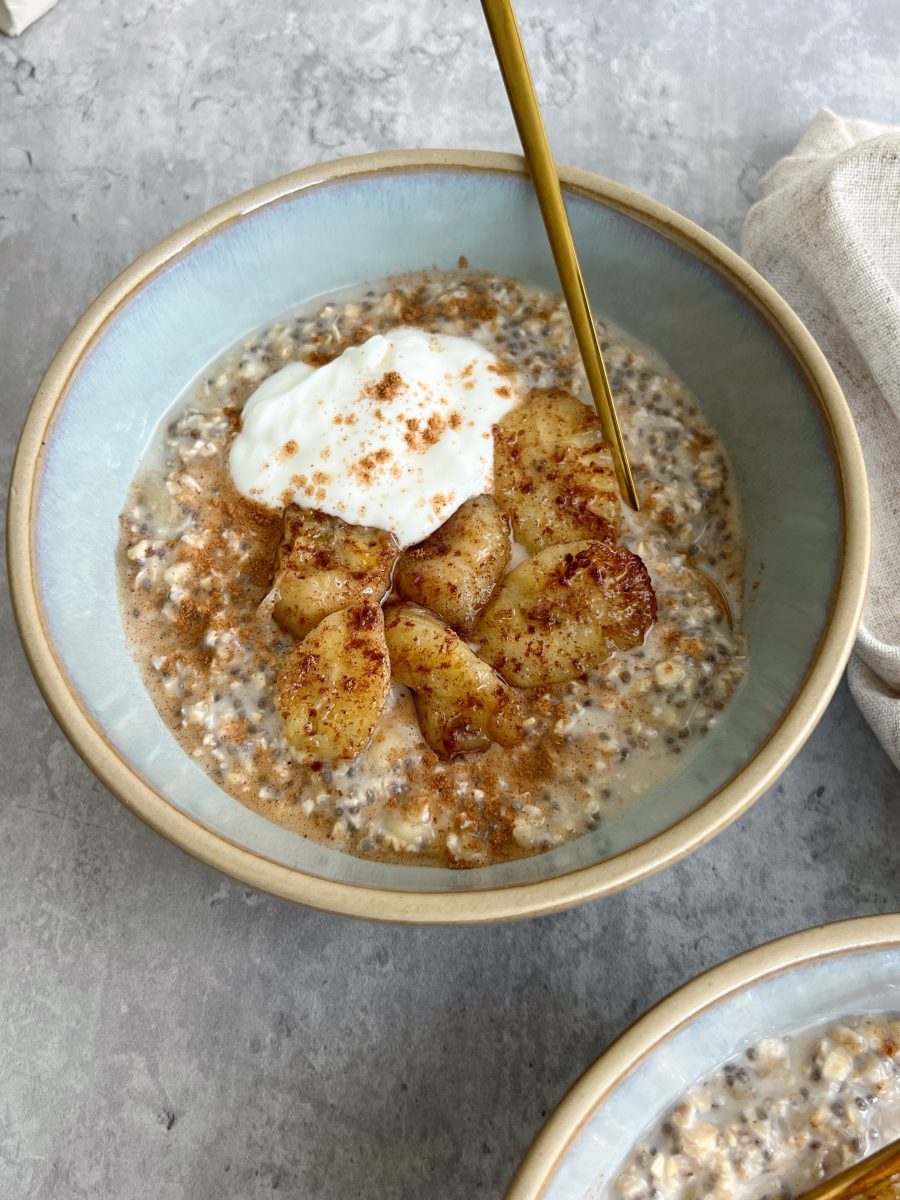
(395, 433)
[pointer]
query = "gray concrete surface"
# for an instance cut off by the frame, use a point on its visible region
(163, 1032)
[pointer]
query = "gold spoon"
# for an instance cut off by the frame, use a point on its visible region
(510, 53)
(865, 1178)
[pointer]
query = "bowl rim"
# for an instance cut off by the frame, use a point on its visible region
(485, 904)
(678, 1010)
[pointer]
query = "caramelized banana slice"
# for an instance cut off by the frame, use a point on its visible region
(323, 564)
(553, 472)
(461, 703)
(334, 684)
(454, 571)
(565, 611)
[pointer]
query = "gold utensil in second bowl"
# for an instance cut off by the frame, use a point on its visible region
(874, 1178)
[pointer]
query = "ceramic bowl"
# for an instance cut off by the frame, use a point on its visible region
(759, 376)
(823, 974)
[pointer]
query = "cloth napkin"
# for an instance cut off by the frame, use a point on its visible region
(17, 15)
(826, 234)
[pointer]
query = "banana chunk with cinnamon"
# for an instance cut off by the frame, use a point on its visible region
(462, 703)
(454, 571)
(565, 611)
(333, 686)
(553, 472)
(323, 565)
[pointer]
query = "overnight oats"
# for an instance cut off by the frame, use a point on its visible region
(382, 588)
(786, 1114)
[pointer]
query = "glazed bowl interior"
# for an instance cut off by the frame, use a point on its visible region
(655, 1064)
(343, 232)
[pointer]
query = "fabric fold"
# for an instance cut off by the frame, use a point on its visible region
(17, 15)
(826, 234)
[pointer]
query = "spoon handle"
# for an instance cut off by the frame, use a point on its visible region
(501, 21)
(867, 1178)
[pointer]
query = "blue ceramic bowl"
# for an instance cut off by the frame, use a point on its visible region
(810, 978)
(758, 374)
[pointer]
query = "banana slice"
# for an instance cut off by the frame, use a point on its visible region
(462, 704)
(553, 472)
(454, 571)
(333, 686)
(323, 565)
(565, 611)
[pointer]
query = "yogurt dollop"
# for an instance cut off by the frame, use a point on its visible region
(394, 433)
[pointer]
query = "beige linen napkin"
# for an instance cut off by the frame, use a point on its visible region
(17, 15)
(826, 233)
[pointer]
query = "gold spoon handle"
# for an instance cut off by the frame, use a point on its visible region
(510, 53)
(868, 1175)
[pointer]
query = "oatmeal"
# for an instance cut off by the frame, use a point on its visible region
(788, 1113)
(595, 641)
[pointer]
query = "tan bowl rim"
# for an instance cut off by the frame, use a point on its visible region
(486, 904)
(677, 1010)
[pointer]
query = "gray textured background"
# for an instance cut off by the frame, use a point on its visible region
(166, 1033)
